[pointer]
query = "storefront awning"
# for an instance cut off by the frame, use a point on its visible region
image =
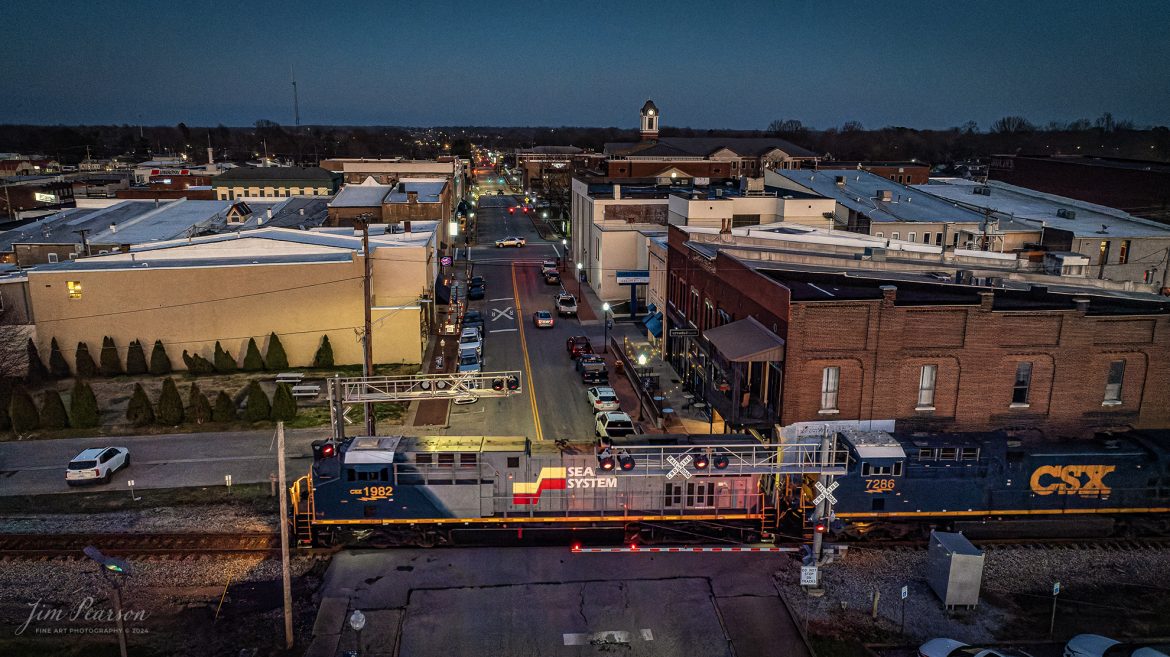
(746, 341)
(654, 325)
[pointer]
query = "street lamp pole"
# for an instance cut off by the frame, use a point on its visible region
(605, 318)
(580, 291)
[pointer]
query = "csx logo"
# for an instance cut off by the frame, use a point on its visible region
(1083, 480)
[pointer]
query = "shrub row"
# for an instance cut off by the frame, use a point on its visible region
(159, 364)
(170, 410)
(21, 414)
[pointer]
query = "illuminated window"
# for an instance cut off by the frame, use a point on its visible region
(74, 288)
(1123, 255)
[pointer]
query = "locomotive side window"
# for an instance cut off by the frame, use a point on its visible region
(513, 461)
(446, 460)
(424, 459)
(468, 460)
(893, 470)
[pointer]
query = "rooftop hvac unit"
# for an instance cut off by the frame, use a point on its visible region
(885, 195)
(840, 181)
(1066, 214)
(982, 190)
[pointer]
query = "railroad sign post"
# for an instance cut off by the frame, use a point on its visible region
(905, 594)
(679, 467)
(1052, 620)
(684, 333)
(808, 575)
(130, 485)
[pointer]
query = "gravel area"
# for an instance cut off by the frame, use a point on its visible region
(1103, 590)
(219, 518)
(178, 600)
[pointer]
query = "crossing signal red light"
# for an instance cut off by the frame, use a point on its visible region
(821, 526)
(513, 383)
(328, 450)
(606, 462)
(626, 462)
(701, 462)
(497, 384)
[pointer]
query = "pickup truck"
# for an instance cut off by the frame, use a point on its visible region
(566, 304)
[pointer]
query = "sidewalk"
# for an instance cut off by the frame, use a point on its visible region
(683, 418)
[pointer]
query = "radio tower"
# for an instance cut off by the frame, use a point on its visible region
(296, 106)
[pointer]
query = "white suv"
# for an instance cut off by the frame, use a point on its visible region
(471, 339)
(603, 398)
(613, 424)
(566, 304)
(97, 464)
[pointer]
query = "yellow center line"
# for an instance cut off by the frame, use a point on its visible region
(527, 365)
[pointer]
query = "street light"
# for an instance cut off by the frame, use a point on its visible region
(605, 318)
(580, 291)
(357, 620)
(641, 365)
(113, 569)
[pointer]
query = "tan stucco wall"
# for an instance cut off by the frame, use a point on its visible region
(190, 308)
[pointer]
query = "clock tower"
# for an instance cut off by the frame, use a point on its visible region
(649, 129)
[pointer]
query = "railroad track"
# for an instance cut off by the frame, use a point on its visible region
(184, 544)
(1112, 544)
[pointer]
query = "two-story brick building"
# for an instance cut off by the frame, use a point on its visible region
(782, 344)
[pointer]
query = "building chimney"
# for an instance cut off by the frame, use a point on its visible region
(302, 212)
(617, 192)
(1082, 304)
(113, 228)
(885, 195)
(210, 156)
(986, 300)
(412, 197)
(840, 181)
(889, 293)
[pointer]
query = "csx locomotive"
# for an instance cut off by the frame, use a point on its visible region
(439, 489)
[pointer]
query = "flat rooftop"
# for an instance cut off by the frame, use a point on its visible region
(859, 193)
(1038, 209)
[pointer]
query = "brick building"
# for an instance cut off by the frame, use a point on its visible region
(1141, 188)
(905, 173)
(783, 344)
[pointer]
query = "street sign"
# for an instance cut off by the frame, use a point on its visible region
(808, 575)
(825, 492)
(905, 592)
(1056, 589)
(680, 467)
(445, 261)
(684, 333)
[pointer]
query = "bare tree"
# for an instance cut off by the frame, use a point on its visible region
(1012, 125)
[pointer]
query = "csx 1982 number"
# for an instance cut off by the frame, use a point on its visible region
(879, 485)
(373, 491)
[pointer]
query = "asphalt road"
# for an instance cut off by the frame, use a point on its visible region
(549, 601)
(515, 290)
(166, 461)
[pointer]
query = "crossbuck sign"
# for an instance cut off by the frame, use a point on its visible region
(680, 467)
(825, 492)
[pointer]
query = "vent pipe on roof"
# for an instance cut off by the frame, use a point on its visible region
(302, 212)
(113, 228)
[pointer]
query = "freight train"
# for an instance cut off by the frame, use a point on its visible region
(447, 489)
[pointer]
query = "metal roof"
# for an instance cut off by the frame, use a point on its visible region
(428, 191)
(1039, 209)
(361, 196)
(746, 341)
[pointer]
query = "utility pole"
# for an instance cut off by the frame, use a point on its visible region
(367, 338)
(821, 513)
(287, 583)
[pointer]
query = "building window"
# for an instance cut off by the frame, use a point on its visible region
(1113, 383)
(938, 239)
(879, 234)
(926, 386)
(830, 384)
(74, 288)
(1104, 252)
(1021, 385)
(52, 258)
(895, 235)
(912, 236)
(926, 238)
(1123, 254)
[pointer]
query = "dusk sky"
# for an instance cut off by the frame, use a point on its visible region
(706, 65)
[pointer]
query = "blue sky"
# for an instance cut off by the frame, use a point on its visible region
(706, 65)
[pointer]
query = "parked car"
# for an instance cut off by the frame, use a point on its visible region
(587, 359)
(478, 280)
(97, 464)
(511, 241)
(613, 424)
(595, 374)
(471, 338)
(542, 319)
(469, 360)
(566, 304)
(547, 266)
(475, 293)
(602, 398)
(1089, 645)
(552, 278)
(577, 345)
(952, 648)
